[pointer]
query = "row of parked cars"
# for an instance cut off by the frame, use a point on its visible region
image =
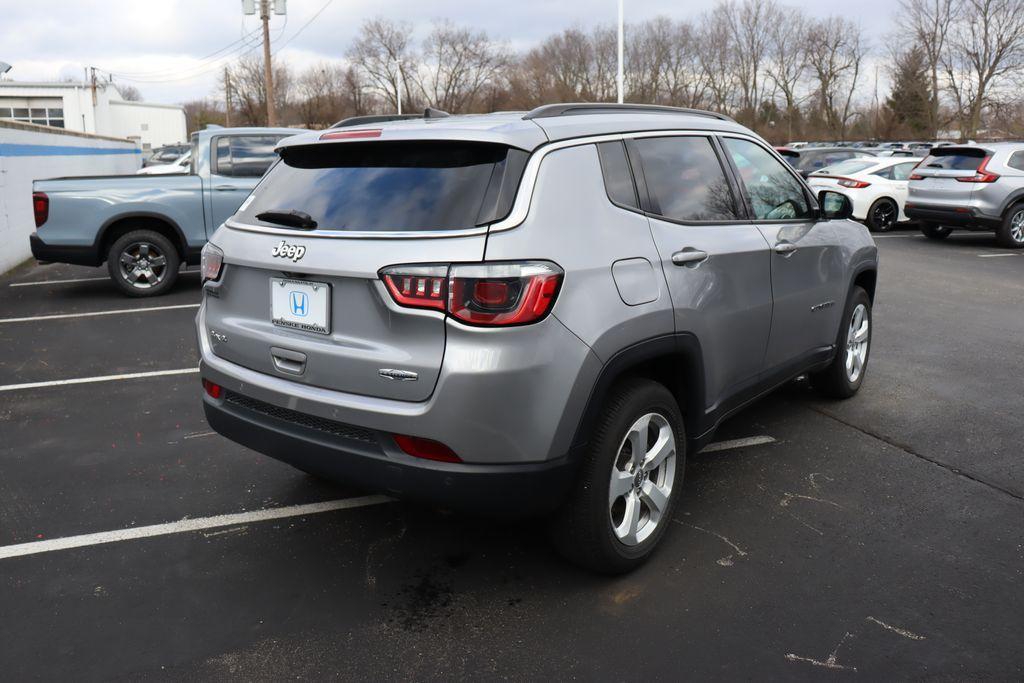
(942, 186)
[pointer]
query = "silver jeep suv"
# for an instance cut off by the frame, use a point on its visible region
(973, 187)
(523, 314)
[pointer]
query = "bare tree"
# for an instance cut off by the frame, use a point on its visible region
(929, 22)
(384, 51)
(786, 63)
(835, 50)
(986, 43)
(718, 58)
(128, 93)
(248, 91)
(751, 24)
(458, 66)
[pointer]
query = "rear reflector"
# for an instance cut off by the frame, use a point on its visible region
(351, 134)
(418, 447)
(213, 390)
(40, 207)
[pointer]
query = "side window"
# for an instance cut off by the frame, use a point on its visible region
(774, 193)
(903, 171)
(886, 173)
(1016, 160)
(244, 156)
(618, 179)
(685, 179)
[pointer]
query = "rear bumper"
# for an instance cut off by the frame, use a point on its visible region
(370, 460)
(957, 217)
(76, 255)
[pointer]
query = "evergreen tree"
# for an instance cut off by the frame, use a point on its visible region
(909, 102)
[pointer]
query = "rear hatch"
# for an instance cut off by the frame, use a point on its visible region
(308, 305)
(937, 180)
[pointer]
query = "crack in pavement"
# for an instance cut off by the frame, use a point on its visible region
(907, 449)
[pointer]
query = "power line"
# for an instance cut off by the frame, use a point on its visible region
(303, 27)
(245, 39)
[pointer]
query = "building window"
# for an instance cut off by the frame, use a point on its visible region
(43, 117)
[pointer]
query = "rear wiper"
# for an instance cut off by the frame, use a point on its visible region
(293, 219)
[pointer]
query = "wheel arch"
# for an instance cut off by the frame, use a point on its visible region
(122, 224)
(865, 276)
(675, 361)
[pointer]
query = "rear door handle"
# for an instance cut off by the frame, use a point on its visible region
(785, 248)
(689, 256)
(226, 188)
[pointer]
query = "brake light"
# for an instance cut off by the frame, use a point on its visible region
(214, 390)
(918, 176)
(351, 134)
(418, 286)
(427, 449)
(487, 294)
(855, 184)
(40, 208)
(981, 175)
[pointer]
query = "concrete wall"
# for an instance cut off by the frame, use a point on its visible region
(30, 153)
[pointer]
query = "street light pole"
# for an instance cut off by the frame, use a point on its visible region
(398, 86)
(619, 78)
(268, 74)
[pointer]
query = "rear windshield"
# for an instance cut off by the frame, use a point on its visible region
(847, 167)
(392, 186)
(814, 159)
(954, 159)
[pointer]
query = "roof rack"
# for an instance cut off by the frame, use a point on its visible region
(428, 113)
(552, 110)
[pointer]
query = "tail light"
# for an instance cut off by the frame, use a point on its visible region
(419, 447)
(210, 262)
(981, 175)
(40, 207)
(487, 294)
(214, 390)
(918, 176)
(855, 184)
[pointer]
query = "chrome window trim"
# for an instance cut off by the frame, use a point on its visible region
(520, 207)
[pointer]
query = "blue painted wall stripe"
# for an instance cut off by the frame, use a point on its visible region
(10, 149)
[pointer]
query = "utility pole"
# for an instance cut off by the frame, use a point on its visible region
(92, 83)
(268, 74)
(227, 98)
(620, 76)
(398, 86)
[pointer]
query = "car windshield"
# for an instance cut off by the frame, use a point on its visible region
(847, 167)
(954, 159)
(389, 186)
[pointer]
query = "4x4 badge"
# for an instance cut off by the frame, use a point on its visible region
(285, 250)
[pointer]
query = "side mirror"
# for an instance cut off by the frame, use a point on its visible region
(834, 205)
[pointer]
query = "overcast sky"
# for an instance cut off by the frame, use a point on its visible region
(166, 45)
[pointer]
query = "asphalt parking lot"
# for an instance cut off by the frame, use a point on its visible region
(882, 537)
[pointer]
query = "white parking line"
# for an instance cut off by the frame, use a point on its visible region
(38, 283)
(119, 311)
(994, 255)
(737, 443)
(103, 378)
(186, 525)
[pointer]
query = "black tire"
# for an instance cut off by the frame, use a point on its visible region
(1011, 233)
(935, 232)
(149, 257)
(835, 381)
(582, 529)
(883, 215)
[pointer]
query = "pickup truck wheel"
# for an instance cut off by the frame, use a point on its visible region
(1011, 233)
(844, 375)
(936, 232)
(143, 263)
(629, 482)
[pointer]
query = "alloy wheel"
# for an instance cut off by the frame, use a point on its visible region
(1017, 227)
(641, 481)
(142, 265)
(857, 339)
(884, 216)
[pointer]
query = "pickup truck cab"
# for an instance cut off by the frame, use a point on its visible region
(144, 227)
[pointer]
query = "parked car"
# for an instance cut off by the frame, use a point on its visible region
(811, 159)
(182, 164)
(877, 188)
(164, 155)
(971, 187)
(143, 227)
(539, 313)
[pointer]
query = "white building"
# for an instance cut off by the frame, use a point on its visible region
(71, 106)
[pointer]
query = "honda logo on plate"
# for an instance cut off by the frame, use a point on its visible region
(299, 303)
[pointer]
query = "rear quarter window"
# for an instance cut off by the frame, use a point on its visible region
(1016, 160)
(618, 178)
